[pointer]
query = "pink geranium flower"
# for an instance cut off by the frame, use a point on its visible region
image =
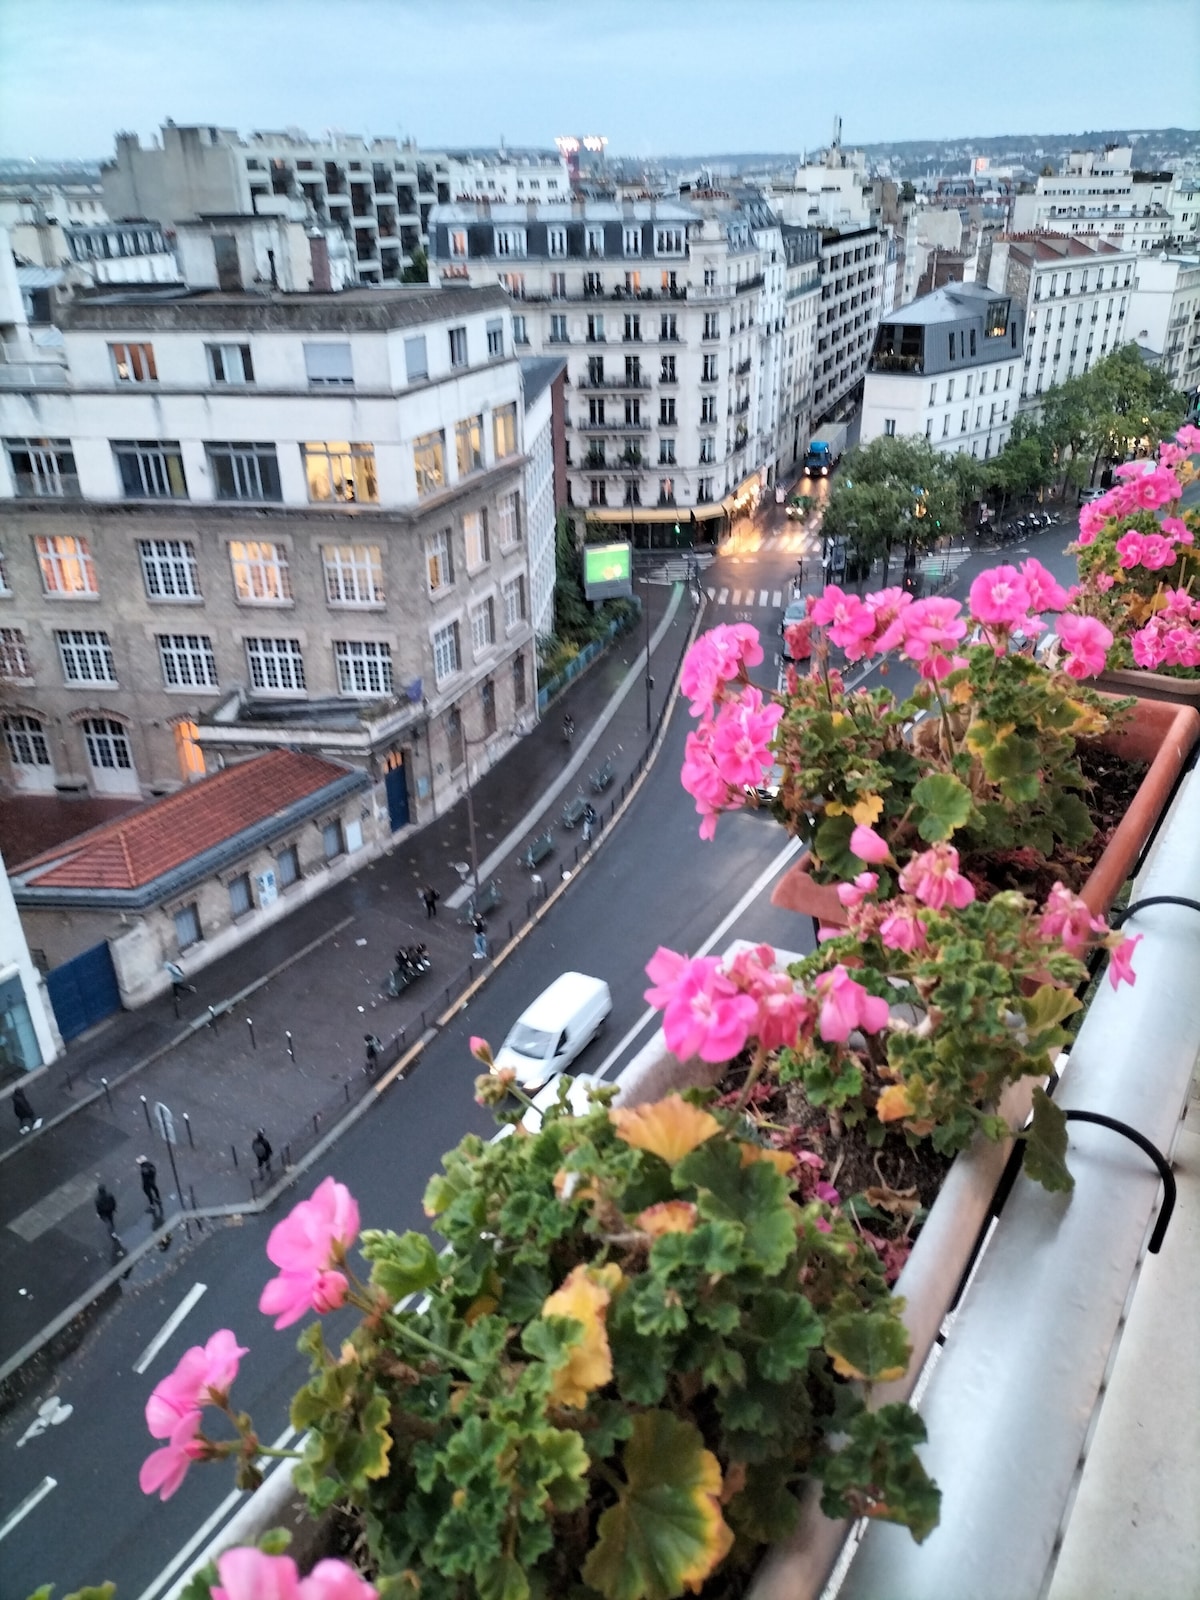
(1087, 641)
(164, 1470)
(1158, 487)
(252, 1575)
(999, 597)
(309, 1246)
(849, 619)
(1120, 961)
(845, 1005)
(741, 741)
(853, 894)
(1176, 528)
(933, 877)
(931, 627)
(717, 657)
(704, 1013)
(1045, 591)
(1067, 917)
(203, 1375)
(869, 846)
(1092, 518)
(902, 929)
(1189, 438)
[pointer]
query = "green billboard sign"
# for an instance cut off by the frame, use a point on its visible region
(607, 571)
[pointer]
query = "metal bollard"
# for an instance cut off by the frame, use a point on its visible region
(316, 1122)
(290, 1047)
(212, 1018)
(107, 1095)
(233, 1147)
(253, 1040)
(188, 1123)
(146, 1109)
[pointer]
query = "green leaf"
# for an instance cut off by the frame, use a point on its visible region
(666, 1532)
(1046, 1145)
(97, 1591)
(275, 1542)
(502, 1578)
(755, 1195)
(1072, 819)
(1046, 1007)
(945, 803)
(787, 1329)
(878, 1473)
(870, 1345)
(831, 846)
(402, 1264)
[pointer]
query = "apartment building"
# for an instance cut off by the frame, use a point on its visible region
(1075, 295)
(236, 522)
(947, 368)
(853, 268)
(1164, 315)
(671, 314)
(510, 177)
(377, 193)
(1100, 197)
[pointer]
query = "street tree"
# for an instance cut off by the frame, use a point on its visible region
(894, 492)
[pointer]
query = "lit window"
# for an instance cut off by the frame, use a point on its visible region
(133, 363)
(447, 658)
(468, 445)
(483, 626)
(508, 519)
(504, 431)
(245, 471)
(188, 752)
(66, 564)
(169, 569)
(86, 656)
(276, 665)
(188, 661)
(341, 472)
(353, 574)
(475, 530)
(439, 560)
(260, 572)
(429, 463)
(364, 668)
(458, 243)
(14, 654)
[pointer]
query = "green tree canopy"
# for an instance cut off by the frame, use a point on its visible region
(894, 492)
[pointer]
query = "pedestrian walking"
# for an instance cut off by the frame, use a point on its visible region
(568, 727)
(149, 1174)
(479, 929)
(373, 1045)
(106, 1209)
(589, 823)
(179, 984)
(431, 897)
(24, 1111)
(261, 1146)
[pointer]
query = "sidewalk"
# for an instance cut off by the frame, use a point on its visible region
(319, 975)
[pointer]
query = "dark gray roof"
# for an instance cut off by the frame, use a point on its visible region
(538, 373)
(203, 309)
(947, 304)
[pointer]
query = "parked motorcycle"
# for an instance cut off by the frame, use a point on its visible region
(411, 962)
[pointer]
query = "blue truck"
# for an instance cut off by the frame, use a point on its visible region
(825, 450)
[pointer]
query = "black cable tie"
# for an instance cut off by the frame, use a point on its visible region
(1159, 1160)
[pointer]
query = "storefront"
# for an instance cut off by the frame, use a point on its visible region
(663, 527)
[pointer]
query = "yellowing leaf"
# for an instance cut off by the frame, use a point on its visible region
(666, 1532)
(583, 1297)
(779, 1159)
(835, 808)
(893, 1104)
(846, 1369)
(671, 1216)
(867, 810)
(962, 692)
(669, 1128)
(481, 1307)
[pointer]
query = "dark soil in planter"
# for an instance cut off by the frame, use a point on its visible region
(1114, 782)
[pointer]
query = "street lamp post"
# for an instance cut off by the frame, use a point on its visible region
(649, 679)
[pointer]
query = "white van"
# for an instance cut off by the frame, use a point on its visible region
(550, 1033)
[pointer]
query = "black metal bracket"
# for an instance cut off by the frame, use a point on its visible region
(1159, 1160)
(1121, 914)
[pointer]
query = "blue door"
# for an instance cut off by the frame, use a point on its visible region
(396, 785)
(84, 991)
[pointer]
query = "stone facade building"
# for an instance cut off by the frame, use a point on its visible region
(239, 522)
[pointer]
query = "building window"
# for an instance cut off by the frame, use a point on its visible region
(287, 867)
(667, 326)
(518, 680)
(708, 448)
(632, 239)
(187, 661)
(889, 427)
(329, 366)
(708, 373)
(429, 462)
(556, 241)
(963, 428)
(133, 363)
(708, 408)
(276, 665)
(666, 452)
(595, 241)
(595, 329)
(468, 445)
(704, 492)
(633, 328)
(188, 752)
(558, 329)
(520, 335)
(260, 572)
(929, 428)
(458, 243)
(510, 241)
(245, 471)
(712, 325)
(42, 468)
(509, 519)
(107, 745)
(439, 560)
(416, 362)
(26, 739)
(447, 657)
(240, 900)
(666, 491)
(487, 695)
(495, 336)
(169, 569)
(14, 655)
(504, 431)
(341, 472)
(597, 492)
(514, 602)
(666, 411)
(353, 574)
(364, 668)
(333, 840)
(230, 364)
(558, 285)
(946, 426)
(933, 394)
(187, 927)
(483, 626)
(668, 241)
(149, 470)
(86, 656)
(458, 347)
(66, 564)
(475, 531)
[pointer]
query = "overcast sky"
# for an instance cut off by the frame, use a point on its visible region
(655, 76)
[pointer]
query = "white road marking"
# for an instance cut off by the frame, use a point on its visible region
(723, 597)
(719, 932)
(762, 597)
(49, 1414)
(777, 598)
(27, 1505)
(168, 1327)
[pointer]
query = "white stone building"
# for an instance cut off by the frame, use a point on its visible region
(1100, 197)
(241, 522)
(509, 177)
(539, 375)
(29, 1038)
(1075, 294)
(947, 368)
(1164, 315)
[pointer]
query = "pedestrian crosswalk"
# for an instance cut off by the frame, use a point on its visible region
(747, 599)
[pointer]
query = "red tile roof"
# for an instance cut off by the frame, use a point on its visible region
(138, 848)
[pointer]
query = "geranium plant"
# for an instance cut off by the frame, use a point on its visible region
(985, 750)
(1138, 563)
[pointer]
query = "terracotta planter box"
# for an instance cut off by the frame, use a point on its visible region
(1149, 686)
(1157, 731)
(929, 1281)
